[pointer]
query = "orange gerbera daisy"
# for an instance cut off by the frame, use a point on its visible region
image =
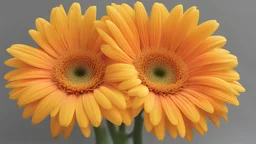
(170, 66)
(64, 76)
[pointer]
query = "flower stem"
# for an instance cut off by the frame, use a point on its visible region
(137, 131)
(113, 132)
(123, 136)
(118, 136)
(101, 135)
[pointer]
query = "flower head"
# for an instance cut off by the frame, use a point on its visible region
(63, 78)
(170, 66)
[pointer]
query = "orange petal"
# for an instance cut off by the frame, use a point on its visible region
(187, 108)
(81, 116)
(92, 109)
(142, 23)
(169, 108)
(29, 110)
(147, 122)
(67, 110)
(156, 113)
(155, 26)
(150, 102)
(47, 105)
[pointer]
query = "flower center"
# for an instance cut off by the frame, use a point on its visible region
(79, 72)
(161, 71)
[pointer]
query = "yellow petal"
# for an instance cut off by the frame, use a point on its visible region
(155, 26)
(54, 39)
(129, 10)
(119, 38)
(61, 25)
(126, 117)
(187, 23)
(140, 91)
(187, 108)
(128, 84)
(113, 116)
(142, 23)
(47, 105)
(237, 86)
(92, 109)
(120, 67)
(219, 94)
(41, 40)
(213, 58)
(215, 119)
(136, 112)
(189, 132)
(203, 123)
(86, 131)
(128, 15)
(196, 37)
(115, 54)
(217, 104)
(36, 92)
(115, 97)
(87, 25)
(150, 102)
(208, 44)
(25, 83)
(17, 93)
(137, 102)
(31, 56)
(29, 73)
(160, 129)
(67, 130)
(29, 110)
(181, 125)
(198, 99)
(55, 126)
(171, 24)
(40, 22)
(74, 23)
(168, 107)
(172, 130)
(211, 82)
(156, 113)
(67, 110)
(102, 100)
(16, 63)
(81, 116)
(117, 18)
(147, 122)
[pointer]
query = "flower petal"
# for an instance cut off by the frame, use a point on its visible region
(92, 109)
(47, 105)
(67, 110)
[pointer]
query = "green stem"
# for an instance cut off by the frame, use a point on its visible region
(122, 129)
(123, 138)
(113, 132)
(101, 135)
(137, 131)
(118, 136)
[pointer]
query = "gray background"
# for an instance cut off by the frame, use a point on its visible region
(237, 23)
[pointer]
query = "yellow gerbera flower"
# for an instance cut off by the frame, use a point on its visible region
(63, 78)
(170, 66)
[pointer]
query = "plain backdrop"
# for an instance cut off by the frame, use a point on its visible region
(237, 24)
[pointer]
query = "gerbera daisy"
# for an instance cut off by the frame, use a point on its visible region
(63, 78)
(170, 66)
